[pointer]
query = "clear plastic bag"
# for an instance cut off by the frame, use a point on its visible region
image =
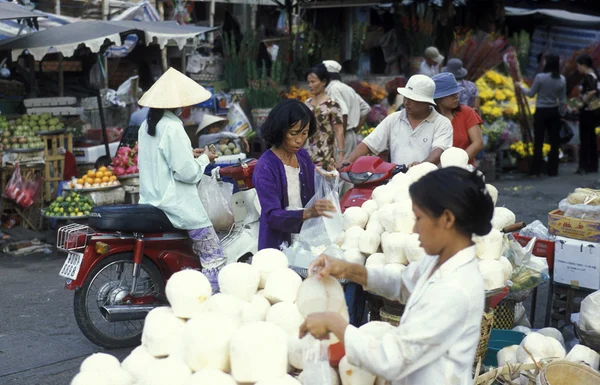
(216, 199)
(580, 211)
(528, 271)
(316, 362)
(538, 230)
(318, 234)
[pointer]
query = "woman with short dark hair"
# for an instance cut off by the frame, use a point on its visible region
(588, 118)
(551, 90)
(439, 332)
(284, 175)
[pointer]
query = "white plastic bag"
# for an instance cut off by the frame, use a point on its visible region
(580, 211)
(216, 198)
(316, 361)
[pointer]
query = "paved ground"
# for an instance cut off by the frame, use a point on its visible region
(40, 343)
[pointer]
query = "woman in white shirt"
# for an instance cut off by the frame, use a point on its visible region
(438, 334)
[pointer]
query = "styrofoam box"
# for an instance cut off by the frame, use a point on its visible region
(47, 102)
(230, 159)
(91, 154)
(56, 111)
(577, 263)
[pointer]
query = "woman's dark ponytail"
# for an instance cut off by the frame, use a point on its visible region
(154, 116)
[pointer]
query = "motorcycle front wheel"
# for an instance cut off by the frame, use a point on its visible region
(107, 284)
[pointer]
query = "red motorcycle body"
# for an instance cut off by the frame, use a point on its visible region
(366, 173)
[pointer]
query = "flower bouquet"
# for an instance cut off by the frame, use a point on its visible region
(479, 52)
(298, 93)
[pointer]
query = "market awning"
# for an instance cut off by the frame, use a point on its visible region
(94, 34)
(10, 11)
(564, 17)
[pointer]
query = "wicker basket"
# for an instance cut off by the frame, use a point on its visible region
(568, 373)
(487, 323)
(504, 315)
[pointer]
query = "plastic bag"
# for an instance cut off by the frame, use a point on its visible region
(21, 191)
(580, 211)
(14, 184)
(238, 121)
(316, 362)
(318, 234)
(216, 198)
(538, 230)
(528, 271)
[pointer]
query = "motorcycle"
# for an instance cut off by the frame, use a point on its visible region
(119, 263)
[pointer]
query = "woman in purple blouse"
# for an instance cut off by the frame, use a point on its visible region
(284, 175)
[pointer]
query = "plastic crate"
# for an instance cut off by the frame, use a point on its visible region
(500, 339)
(542, 248)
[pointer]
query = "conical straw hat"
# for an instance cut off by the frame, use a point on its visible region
(174, 90)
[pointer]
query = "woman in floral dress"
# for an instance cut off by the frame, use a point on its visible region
(327, 145)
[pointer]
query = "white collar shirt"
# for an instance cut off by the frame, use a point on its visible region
(408, 145)
(438, 334)
(351, 104)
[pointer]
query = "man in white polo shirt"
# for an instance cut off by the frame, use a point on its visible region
(354, 108)
(414, 135)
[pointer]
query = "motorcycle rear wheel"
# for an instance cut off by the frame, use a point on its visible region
(105, 281)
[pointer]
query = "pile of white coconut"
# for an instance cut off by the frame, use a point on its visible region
(247, 334)
(380, 232)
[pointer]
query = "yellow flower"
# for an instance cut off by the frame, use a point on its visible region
(496, 112)
(499, 95)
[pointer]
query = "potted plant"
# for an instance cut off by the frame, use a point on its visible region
(263, 92)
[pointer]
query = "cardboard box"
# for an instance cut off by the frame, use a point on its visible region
(573, 228)
(577, 263)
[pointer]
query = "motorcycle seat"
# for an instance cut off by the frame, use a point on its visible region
(130, 219)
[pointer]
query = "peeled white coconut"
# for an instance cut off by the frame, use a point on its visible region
(210, 376)
(355, 216)
(538, 345)
(296, 352)
(454, 157)
(267, 261)
(259, 352)
(492, 272)
(558, 351)
(284, 380)
(377, 328)
(377, 259)
(162, 331)
(374, 225)
(240, 280)
(412, 248)
(138, 361)
(503, 217)
(581, 353)
(99, 361)
(339, 241)
(166, 371)
(382, 195)
(507, 354)
(401, 179)
(392, 245)
(353, 375)
(204, 348)
(489, 246)
(398, 218)
(370, 206)
(320, 295)
(523, 329)
(250, 314)
(261, 305)
(493, 191)
(400, 190)
(589, 316)
(94, 377)
(282, 286)
(335, 378)
(507, 268)
(351, 239)
(187, 292)
(369, 242)
(225, 304)
(98, 375)
(354, 256)
(287, 316)
(417, 172)
(553, 333)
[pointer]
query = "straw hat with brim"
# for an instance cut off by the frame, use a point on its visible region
(209, 120)
(174, 90)
(419, 88)
(455, 67)
(445, 85)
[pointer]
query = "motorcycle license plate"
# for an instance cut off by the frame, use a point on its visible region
(70, 268)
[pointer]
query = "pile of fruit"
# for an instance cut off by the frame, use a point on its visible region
(102, 177)
(21, 133)
(228, 149)
(126, 161)
(73, 205)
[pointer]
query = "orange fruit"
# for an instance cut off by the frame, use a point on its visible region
(99, 174)
(97, 180)
(102, 169)
(113, 178)
(107, 173)
(80, 181)
(91, 173)
(105, 179)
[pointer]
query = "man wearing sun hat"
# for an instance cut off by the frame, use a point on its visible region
(169, 170)
(354, 108)
(414, 135)
(431, 65)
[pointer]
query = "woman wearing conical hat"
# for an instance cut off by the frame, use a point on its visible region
(170, 169)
